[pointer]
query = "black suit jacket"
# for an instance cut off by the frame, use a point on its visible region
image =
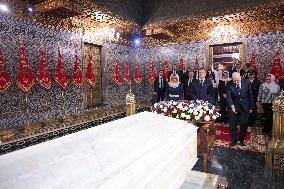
(255, 88)
(222, 88)
(156, 85)
(249, 71)
(202, 92)
(210, 74)
(183, 75)
(187, 88)
(242, 72)
(243, 101)
(196, 74)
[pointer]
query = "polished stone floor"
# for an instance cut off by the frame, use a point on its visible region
(243, 170)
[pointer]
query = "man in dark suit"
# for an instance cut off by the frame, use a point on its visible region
(210, 74)
(202, 89)
(187, 85)
(196, 71)
(249, 70)
(238, 68)
(240, 105)
(255, 84)
(183, 75)
(231, 68)
(160, 84)
(213, 78)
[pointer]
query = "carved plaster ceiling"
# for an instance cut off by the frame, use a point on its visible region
(258, 19)
(76, 16)
(91, 15)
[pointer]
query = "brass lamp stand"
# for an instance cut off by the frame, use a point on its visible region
(275, 150)
(130, 103)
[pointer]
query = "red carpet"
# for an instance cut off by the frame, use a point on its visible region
(255, 140)
(223, 133)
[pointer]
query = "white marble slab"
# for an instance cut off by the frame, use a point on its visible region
(145, 150)
(200, 180)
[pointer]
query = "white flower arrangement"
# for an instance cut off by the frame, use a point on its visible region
(195, 111)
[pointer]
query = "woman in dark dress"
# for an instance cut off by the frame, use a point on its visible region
(223, 96)
(174, 90)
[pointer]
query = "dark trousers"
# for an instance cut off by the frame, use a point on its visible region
(268, 114)
(223, 109)
(215, 96)
(160, 95)
(253, 115)
(233, 118)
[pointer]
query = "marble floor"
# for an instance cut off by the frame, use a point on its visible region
(243, 170)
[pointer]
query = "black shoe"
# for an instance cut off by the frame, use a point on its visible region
(232, 144)
(242, 143)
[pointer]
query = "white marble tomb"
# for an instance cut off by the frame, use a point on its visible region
(145, 150)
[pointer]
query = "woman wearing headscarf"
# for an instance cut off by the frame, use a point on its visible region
(266, 94)
(174, 90)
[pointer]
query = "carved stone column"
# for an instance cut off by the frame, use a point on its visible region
(130, 103)
(275, 150)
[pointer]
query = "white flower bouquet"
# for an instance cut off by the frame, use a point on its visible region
(195, 111)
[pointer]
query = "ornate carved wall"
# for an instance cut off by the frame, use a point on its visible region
(12, 106)
(115, 94)
(12, 101)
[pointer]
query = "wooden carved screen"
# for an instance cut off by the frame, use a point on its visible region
(93, 95)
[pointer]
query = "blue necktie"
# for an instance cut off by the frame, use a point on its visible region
(238, 89)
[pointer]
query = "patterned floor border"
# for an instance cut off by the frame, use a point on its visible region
(258, 142)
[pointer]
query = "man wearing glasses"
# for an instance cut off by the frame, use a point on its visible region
(240, 105)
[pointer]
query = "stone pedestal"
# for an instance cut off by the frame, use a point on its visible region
(130, 103)
(275, 150)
